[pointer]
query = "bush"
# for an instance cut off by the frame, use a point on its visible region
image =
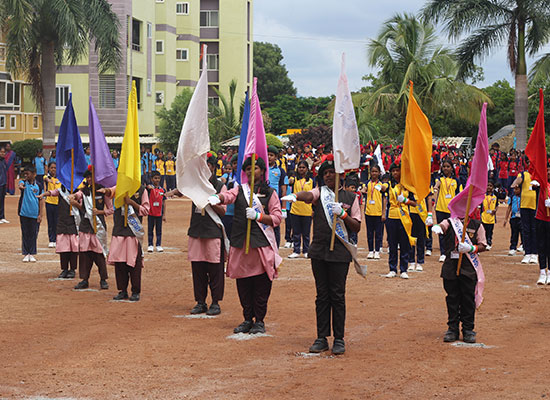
(26, 149)
(273, 140)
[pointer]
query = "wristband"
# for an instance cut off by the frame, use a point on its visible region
(430, 214)
(344, 215)
(474, 249)
(258, 216)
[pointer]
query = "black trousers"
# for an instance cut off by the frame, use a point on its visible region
(528, 231)
(515, 227)
(85, 262)
(543, 243)
(29, 233)
(441, 216)
(3, 189)
(154, 223)
(375, 229)
(330, 283)
(489, 228)
(397, 236)
(125, 273)
(461, 305)
(254, 293)
(419, 232)
(288, 228)
(51, 215)
(170, 182)
(69, 260)
(301, 228)
(277, 230)
(207, 274)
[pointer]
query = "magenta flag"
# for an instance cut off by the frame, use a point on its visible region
(255, 140)
(104, 167)
(478, 173)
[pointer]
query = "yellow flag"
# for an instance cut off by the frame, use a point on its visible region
(129, 168)
(417, 150)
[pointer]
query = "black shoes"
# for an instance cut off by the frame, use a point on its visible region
(81, 285)
(339, 346)
(450, 336)
(134, 297)
(103, 284)
(199, 308)
(320, 345)
(258, 327)
(121, 296)
(70, 274)
(469, 336)
(214, 309)
(63, 274)
(244, 327)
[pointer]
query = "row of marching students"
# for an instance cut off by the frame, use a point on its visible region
(81, 241)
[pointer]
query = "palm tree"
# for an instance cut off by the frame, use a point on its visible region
(41, 35)
(523, 26)
(405, 50)
(223, 120)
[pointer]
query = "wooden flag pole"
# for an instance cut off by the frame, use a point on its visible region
(249, 221)
(72, 178)
(125, 215)
(466, 221)
(93, 198)
(336, 190)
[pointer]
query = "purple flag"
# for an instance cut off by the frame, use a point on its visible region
(255, 139)
(104, 167)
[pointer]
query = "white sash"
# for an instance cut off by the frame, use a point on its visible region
(474, 259)
(327, 197)
(133, 223)
(266, 229)
(101, 232)
(76, 213)
(216, 218)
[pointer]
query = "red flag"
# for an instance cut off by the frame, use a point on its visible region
(536, 151)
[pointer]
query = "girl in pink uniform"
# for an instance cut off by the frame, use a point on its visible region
(256, 270)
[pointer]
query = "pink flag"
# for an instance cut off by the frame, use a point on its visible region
(255, 140)
(478, 173)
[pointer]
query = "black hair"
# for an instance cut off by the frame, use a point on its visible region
(50, 163)
(352, 180)
(375, 166)
(30, 168)
(87, 173)
(155, 173)
(303, 162)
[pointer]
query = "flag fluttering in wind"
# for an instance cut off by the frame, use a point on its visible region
(69, 139)
(478, 174)
(536, 151)
(345, 135)
(129, 168)
(378, 155)
(242, 139)
(255, 140)
(104, 167)
(193, 174)
(417, 149)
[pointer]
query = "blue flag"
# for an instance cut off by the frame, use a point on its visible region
(69, 138)
(242, 140)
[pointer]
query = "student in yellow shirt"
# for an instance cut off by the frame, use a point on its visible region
(421, 216)
(373, 193)
(488, 213)
(445, 189)
(301, 212)
(160, 164)
(52, 183)
(170, 169)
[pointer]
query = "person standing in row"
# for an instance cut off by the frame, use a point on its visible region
(30, 213)
(157, 212)
(374, 192)
(277, 181)
(39, 163)
(421, 217)
(52, 209)
(3, 183)
(170, 169)
(330, 268)
(513, 214)
(256, 270)
(543, 233)
(489, 212)
(301, 212)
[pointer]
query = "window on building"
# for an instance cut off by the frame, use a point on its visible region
(159, 46)
(209, 19)
(17, 94)
(13, 122)
(107, 91)
(182, 54)
(136, 35)
(35, 122)
(62, 95)
(182, 8)
(149, 87)
(2, 122)
(138, 90)
(2, 53)
(212, 62)
(9, 93)
(149, 30)
(159, 98)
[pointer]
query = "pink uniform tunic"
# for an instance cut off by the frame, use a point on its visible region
(65, 243)
(88, 241)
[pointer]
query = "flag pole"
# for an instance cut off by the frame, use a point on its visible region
(93, 198)
(336, 190)
(72, 178)
(466, 221)
(249, 221)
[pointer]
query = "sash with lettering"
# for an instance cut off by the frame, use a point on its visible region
(266, 229)
(327, 197)
(474, 259)
(101, 232)
(134, 223)
(76, 214)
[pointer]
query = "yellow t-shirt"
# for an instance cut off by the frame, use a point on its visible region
(373, 207)
(219, 170)
(528, 195)
(170, 166)
(52, 185)
(448, 189)
(301, 208)
(395, 209)
(489, 204)
(160, 166)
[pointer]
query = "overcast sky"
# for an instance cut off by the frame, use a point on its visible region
(313, 33)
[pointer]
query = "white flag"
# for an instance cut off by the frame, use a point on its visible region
(378, 155)
(345, 136)
(193, 174)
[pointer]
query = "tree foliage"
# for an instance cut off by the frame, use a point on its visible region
(273, 140)
(26, 149)
(502, 114)
(290, 112)
(171, 120)
(272, 76)
(316, 135)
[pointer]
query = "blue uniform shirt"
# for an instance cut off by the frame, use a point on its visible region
(29, 201)
(39, 165)
(276, 178)
(515, 201)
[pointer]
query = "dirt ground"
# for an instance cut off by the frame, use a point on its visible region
(59, 343)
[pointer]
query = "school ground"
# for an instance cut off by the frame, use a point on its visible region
(59, 343)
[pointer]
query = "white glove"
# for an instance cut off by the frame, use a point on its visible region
(290, 197)
(252, 214)
(214, 200)
(465, 248)
(429, 220)
(437, 230)
(401, 198)
(338, 209)
(284, 214)
(378, 187)
(535, 183)
(547, 203)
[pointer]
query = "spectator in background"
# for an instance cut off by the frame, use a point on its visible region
(3, 184)
(276, 181)
(116, 158)
(52, 157)
(170, 170)
(88, 156)
(39, 163)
